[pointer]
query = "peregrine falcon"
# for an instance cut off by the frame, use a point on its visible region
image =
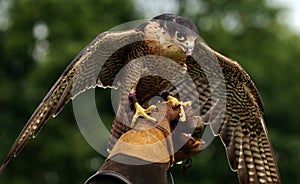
(166, 54)
(145, 154)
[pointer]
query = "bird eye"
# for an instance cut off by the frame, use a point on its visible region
(179, 36)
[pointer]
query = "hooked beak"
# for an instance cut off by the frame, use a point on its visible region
(188, 47)
(188, 51)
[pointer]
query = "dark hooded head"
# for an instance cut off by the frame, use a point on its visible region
(179, 20)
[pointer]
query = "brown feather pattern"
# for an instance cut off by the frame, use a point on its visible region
(219, 88)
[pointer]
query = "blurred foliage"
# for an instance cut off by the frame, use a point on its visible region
(59, 30)
(42, 37)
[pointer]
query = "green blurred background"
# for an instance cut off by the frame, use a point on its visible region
(38, 39)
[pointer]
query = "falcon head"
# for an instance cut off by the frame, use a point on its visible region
(176, 35)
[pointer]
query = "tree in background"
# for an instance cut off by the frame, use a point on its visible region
(41, 38)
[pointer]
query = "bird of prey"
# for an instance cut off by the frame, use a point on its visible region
(145, 154)
(166, 54)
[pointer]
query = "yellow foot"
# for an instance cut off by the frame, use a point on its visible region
(174, 102)
(140, 111)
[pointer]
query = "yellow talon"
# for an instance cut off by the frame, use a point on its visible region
(187, 103)
(174, 102)
(182, 113)
(140, 111)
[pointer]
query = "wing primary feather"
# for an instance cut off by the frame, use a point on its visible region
(71, 82)
(243, 132)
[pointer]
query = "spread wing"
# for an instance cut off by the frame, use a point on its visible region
(96, 65)
(230, 99)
